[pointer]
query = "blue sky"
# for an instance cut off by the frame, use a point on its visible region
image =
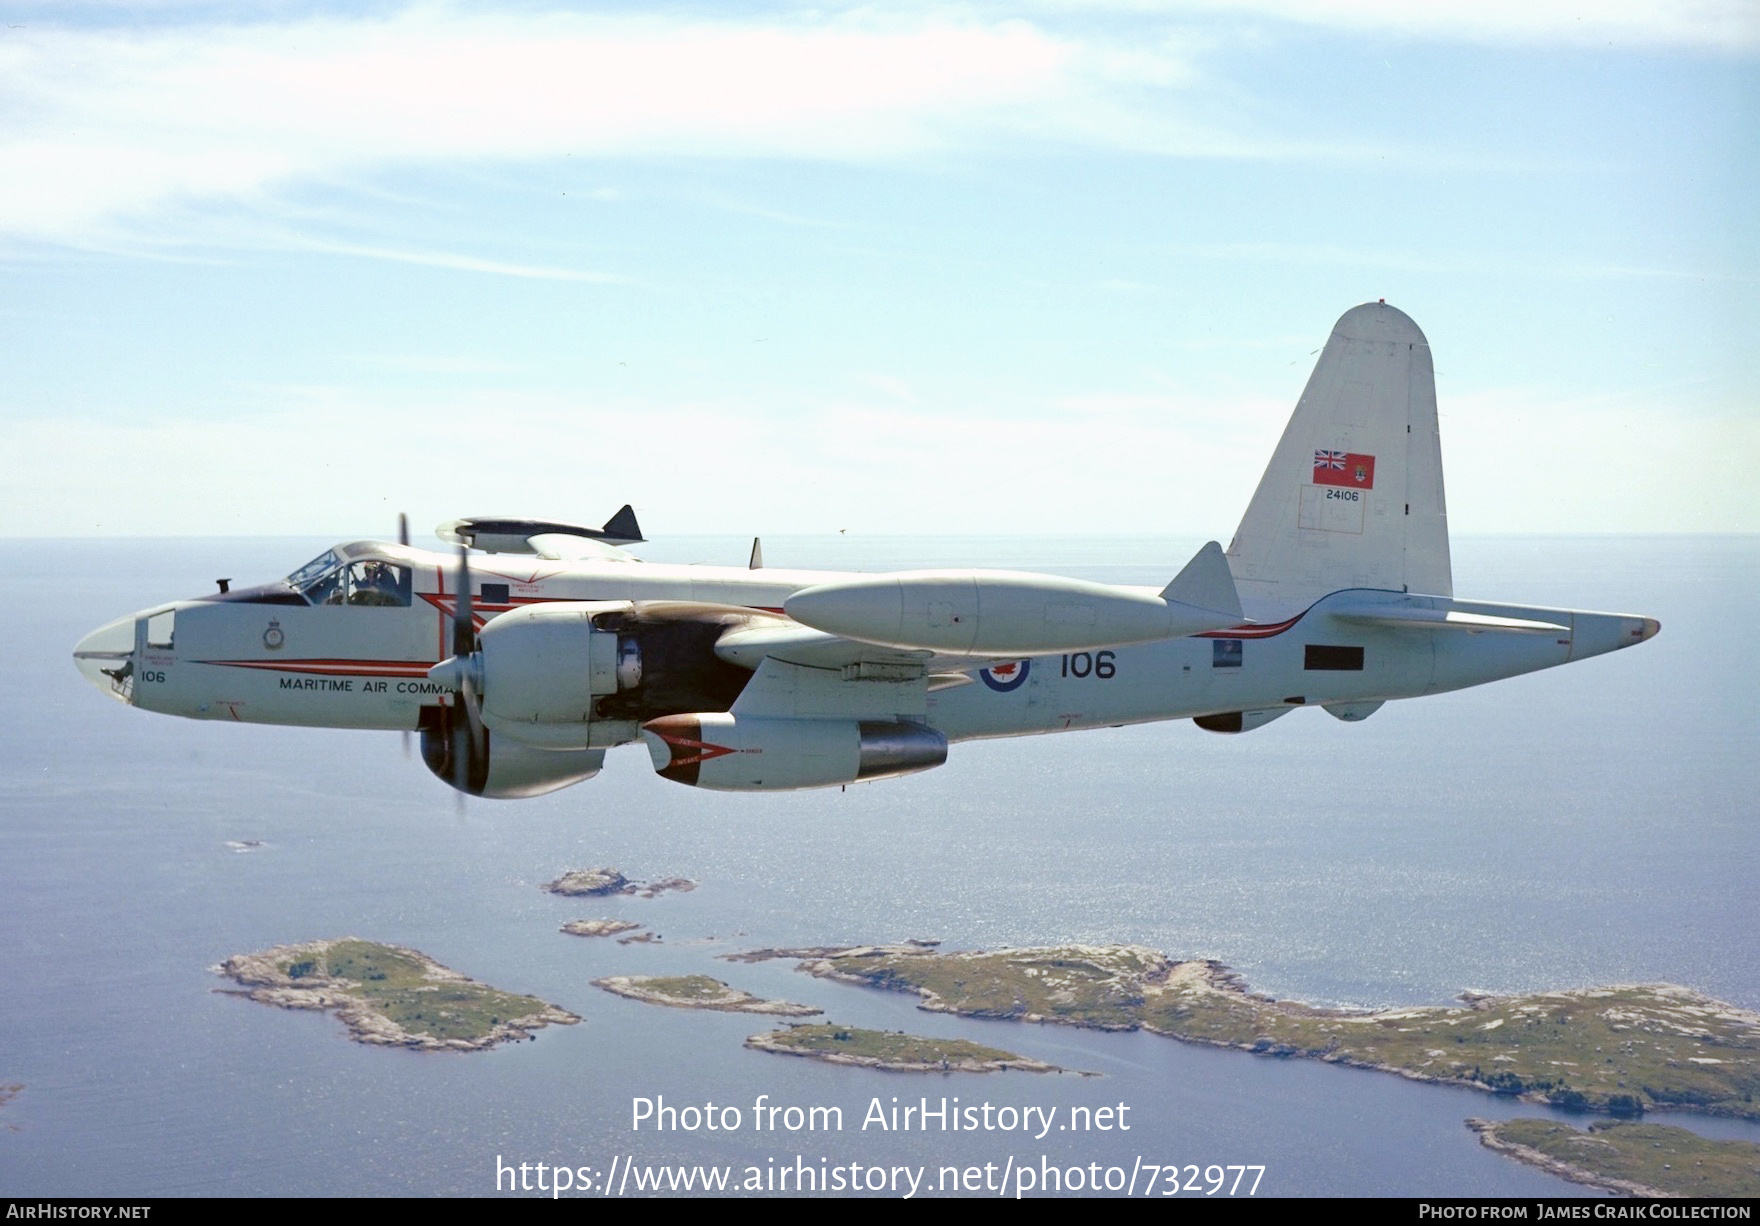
(945, 269)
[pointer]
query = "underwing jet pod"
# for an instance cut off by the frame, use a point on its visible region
(503, 535)
(523, 663)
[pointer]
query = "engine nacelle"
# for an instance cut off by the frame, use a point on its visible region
(502, 769)
(546, 667)
(727, 753)
(585, 674)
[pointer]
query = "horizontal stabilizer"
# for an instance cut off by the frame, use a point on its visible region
(1441, 619)
(1206, 583)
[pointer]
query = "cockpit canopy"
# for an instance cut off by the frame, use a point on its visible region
(365, 573)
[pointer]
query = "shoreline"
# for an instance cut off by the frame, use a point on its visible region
(1489, 1137)
(1619, 1051)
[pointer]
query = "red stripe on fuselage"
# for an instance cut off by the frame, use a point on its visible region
(333, 668)
(1252, 632)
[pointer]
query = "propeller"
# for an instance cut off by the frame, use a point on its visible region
(403, 539)
(462, 671)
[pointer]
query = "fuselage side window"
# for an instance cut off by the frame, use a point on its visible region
(160, 629)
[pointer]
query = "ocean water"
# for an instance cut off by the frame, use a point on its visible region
(1590, 824)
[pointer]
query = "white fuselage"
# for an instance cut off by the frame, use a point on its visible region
(345, 665)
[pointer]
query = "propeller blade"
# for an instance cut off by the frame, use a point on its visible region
(469, 738)
(402, 528)
(464, 630)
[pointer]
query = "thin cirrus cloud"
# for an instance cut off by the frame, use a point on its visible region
(111, 130)
(106, 129)
(1625, 25)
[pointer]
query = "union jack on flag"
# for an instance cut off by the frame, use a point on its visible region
(1344, 468)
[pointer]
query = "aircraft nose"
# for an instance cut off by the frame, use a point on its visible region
(105, 657)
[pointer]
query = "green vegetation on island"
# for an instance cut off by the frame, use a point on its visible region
(599, 927)
(1626, 1156)
(589, 883)
(391, 996)
(698, 992)
(601, 882)
(894, 1051)
(1620, 1050)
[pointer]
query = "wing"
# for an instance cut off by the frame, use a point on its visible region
(840, 682)
(819, 710)
(802, 673)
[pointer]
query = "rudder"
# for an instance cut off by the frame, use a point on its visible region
(1353, 494)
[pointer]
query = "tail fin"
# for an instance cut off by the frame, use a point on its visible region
(1353, 494)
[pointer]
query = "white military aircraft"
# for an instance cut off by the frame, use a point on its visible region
(522, 668)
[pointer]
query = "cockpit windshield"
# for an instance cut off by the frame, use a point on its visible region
(314, 569)
(328, 580)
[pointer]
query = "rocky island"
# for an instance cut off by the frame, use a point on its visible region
(1617, 1050)
(598, 927)
(602, 882)
(1628, 1157)
(589, 883)
(698, 992)
(391, 996)
(895, 1052)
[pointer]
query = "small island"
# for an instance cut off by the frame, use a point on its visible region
(589, 883)
(603, 882)
(666, 885)
(598, 927)
(894, 1052)
(1617, 1050)
(698, 992)
(391, 996)
(1628, 1157)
